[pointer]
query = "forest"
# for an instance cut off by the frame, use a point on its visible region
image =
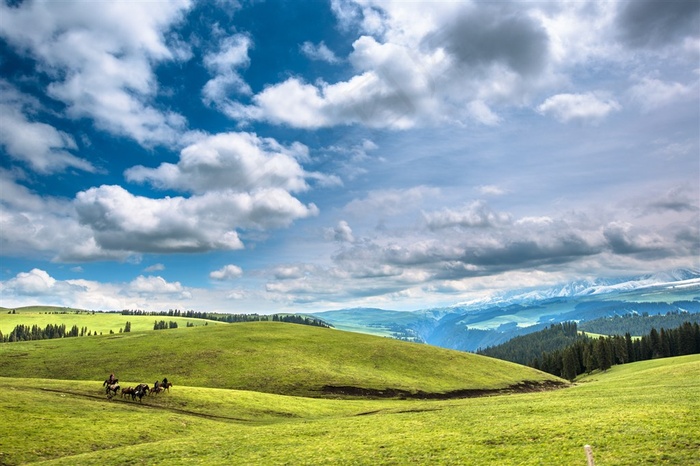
(562, 351)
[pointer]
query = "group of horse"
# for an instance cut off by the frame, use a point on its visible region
(112, 387)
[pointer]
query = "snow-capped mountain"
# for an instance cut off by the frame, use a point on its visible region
(471, 325)
(596, 286)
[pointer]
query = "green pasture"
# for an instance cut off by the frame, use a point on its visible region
(646, 413)
(270, 357)
(100, 322)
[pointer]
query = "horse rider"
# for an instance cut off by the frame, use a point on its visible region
(155, 385)
(165, 381)
(111, 378)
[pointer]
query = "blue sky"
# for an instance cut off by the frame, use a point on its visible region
(270, 156)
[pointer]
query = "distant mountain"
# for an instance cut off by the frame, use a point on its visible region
(474, 325)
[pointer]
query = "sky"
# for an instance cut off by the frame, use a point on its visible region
(298, 156)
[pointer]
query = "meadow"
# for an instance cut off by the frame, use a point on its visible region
(240, 406)
(97, 322)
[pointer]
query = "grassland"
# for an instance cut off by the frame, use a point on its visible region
(98, 322)
(268, 357)
(251, 394)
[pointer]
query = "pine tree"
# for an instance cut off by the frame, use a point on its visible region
(570, 366)
(603, 354)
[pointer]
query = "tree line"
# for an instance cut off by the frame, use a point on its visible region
(639, 324)
(231, 318)
(585, 354)
(23, 332)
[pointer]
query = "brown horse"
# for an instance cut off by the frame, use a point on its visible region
(156, 390)
(167, 385)
(128, 391)
(112, 390)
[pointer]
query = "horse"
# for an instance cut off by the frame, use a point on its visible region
(140, 391)
(112, 390)
(166, 386)
(156, 390)
(110, 382)
(128, 391)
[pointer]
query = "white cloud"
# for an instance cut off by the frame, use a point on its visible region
(491, 190)
(35, 226)
(100, 57)
(578, 107)
(154, 285)
(229, 161)
(475, 215)
(144, 292)
(411, 68)
(224, 65)
(121, 221)
(227, 272)
(154, 268)
(341, 232)
(42, 147)
(35, 282)
(650, 93)
(319, 52)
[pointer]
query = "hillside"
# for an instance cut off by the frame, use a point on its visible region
(640, 413)
(94, 322)
(267, 357)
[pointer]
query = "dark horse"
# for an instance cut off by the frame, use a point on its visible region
(166, 385)
(140, 391)
(112, 390)
(110, 381)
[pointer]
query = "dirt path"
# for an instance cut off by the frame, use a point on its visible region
(149, 406)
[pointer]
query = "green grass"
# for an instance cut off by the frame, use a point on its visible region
(637, 414)
(100, 322)
(269, 357)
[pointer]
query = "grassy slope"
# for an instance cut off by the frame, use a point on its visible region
(267, 357)
(641, 413)
(99, 322)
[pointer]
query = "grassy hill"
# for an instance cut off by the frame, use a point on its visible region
(266, 357)
(641, 413)
(96, 322)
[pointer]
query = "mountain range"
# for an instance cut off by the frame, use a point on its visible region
(473, 325)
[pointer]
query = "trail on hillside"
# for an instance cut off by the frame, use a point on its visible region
(149, 406)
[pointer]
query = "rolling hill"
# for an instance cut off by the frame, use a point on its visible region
(268, 357)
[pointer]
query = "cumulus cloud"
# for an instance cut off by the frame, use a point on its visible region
(229, 161)
(34, 226)
(578, 107)
(154, 285)
(341, 232)
(122, 221)
(42, 147)
(227, 272)
(462, 245)
(224, 65)
(319, 52)
(418, 64)
(100, 58)
(143, 292)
